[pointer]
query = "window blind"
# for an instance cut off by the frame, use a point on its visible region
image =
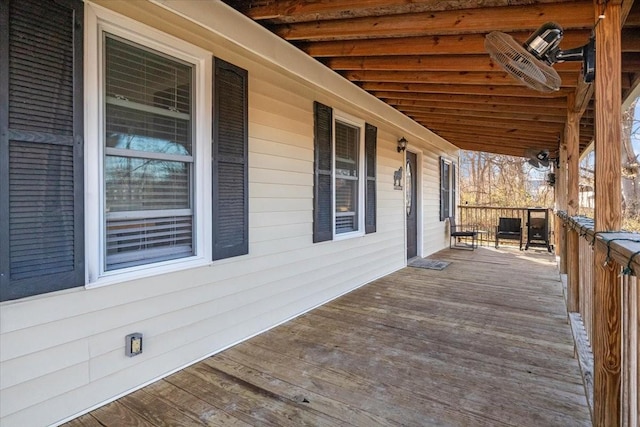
(148, 167)
(346, 178)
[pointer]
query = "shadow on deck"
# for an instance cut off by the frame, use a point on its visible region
(483, 342)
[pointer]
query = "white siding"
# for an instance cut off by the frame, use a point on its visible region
(62, 353)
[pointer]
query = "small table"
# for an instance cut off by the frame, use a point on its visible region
(482, 236)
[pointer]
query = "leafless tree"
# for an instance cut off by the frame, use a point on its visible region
(630, 165)
(505, 181)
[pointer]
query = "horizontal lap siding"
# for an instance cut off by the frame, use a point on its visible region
(434, 235)
(75, 339)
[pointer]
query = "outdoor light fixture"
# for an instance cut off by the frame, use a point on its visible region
(402, 144)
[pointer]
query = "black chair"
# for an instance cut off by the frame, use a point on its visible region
(459, 230)
(509, 229)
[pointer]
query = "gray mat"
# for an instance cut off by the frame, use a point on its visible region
(431, 264)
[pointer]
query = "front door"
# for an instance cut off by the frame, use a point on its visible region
(410, 187)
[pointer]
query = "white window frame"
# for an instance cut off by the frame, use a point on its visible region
(350, 120)
(97, 21)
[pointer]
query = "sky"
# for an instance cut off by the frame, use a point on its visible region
(635, 139)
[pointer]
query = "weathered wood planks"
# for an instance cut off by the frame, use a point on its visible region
(483, 342)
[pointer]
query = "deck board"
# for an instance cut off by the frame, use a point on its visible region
(484, 342)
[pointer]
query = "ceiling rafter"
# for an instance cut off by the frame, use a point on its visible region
(427, 60)
(577, 14)
(449, 63)
(491, 115)
(439, 77)
(463, 89)
(297, 11)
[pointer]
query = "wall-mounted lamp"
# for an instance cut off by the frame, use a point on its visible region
(402, 144)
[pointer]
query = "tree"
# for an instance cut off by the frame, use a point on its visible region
(630, 166)
(498, 180)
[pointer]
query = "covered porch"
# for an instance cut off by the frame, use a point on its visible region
(485, 341)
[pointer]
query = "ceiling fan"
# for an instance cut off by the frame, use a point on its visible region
(537, 159)
(531, 62)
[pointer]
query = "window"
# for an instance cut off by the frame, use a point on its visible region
(345, 183)
(148, 165)
(447, 188)
(347, 177)
(168, 132)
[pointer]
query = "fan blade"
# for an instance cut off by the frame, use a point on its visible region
(520, 64)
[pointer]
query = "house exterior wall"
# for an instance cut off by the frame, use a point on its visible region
(62, 353)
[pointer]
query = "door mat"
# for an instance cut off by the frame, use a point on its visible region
(431, 264)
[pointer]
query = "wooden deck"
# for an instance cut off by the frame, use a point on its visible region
(484, 342)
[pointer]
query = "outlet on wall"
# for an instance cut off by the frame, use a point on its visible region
(133, 344)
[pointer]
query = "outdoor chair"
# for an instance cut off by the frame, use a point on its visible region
(509, 229)
(457, 231)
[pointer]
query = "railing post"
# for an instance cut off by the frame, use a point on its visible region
(561, 204)
(572, 139)
(608, 206)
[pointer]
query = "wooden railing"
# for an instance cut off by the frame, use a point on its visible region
(622, 253)
(585, 281)
(485, 218)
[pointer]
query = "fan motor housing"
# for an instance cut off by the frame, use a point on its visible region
(544, 41)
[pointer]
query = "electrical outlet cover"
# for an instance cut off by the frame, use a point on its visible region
(133, 344)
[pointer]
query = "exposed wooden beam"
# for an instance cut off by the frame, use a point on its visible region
(496, 147)
(402, 104)
(631, 61)
(582, 97)
(301, 11)
(427, 59)
(518, 91)
(629, 43)
(463, 44)
(456, 78)
(503, 134)
(522, 139)
(459, 137)
(577, 14)
(491, 115)
(627, 15)
(489, 101)
(464, 63)
(630, 40)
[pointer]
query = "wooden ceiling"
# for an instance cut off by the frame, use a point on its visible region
(427, 59)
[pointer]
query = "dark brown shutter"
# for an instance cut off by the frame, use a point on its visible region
(370, 142)
(41, 147)
(442, 195)
(230, 161)
(323, 182)
(454, 189)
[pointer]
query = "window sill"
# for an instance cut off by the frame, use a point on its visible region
(351, 235)
(143, 272)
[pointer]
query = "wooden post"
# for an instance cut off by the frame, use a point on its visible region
(608, 207)
(572, 138)
(561, 204)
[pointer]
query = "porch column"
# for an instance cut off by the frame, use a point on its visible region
(608, 207)
(561, 204)
(572, 138)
